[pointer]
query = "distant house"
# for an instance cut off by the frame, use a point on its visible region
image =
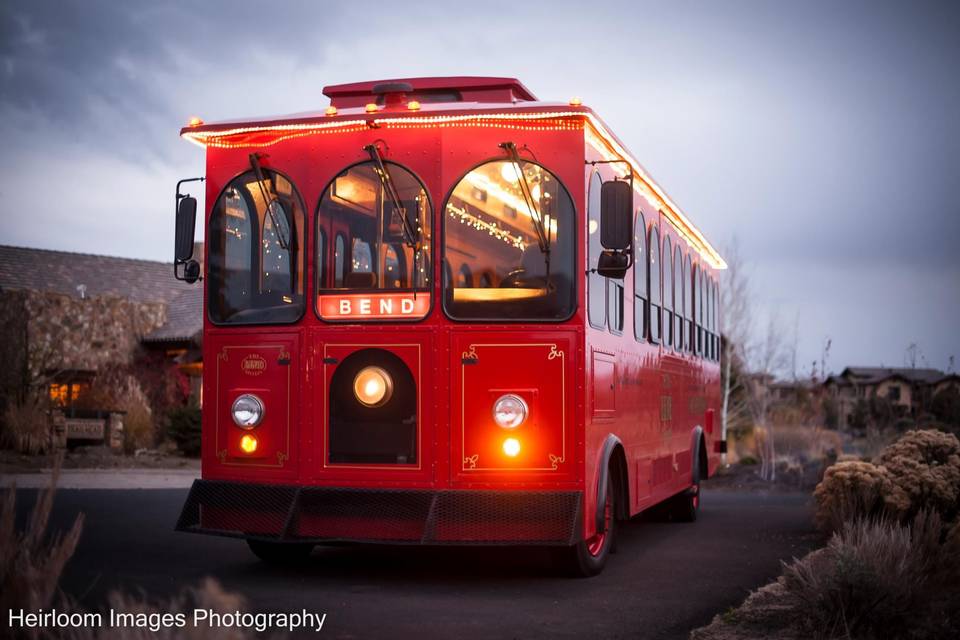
(66, 315)
(908, 390)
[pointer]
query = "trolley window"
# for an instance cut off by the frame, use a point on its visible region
(379, 216)
(256, 252)
(490, 230)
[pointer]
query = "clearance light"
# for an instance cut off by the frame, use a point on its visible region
(372, 386)
(511, 447)
(248, 443)
(413, 105)
(371, 107)
(195, 122)
(509, 411)
(576, 101)
(331, 110)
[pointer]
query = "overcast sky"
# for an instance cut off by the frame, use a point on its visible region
(824, 136)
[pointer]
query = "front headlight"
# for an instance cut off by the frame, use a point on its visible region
(373, 386)
(509, 411)
(247, 411)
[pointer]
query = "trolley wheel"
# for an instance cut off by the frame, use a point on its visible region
(685, 506)
(280, 553)
(588, 557)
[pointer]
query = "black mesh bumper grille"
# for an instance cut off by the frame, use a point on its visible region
(401, 516)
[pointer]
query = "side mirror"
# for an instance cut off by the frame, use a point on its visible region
(613, 264)
(616, 215)
(186, 223)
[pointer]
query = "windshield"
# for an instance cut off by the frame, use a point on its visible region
(495, 265)
(253, 277)
(373, 256)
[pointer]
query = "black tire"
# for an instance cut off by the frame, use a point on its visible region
(280, 553)
(685, 506)
(588, 557)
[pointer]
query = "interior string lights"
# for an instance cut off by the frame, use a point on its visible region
(492, 229)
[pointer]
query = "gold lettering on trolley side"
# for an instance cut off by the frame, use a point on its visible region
(666, 408)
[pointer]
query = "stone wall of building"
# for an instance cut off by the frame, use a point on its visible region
(74, 333)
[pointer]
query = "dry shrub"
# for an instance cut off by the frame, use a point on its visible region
(925, 466)
(851, 490)
(877, 579)
(918, 472)
(804, 443)
(138, 427)
(30, 560)
(26, 427)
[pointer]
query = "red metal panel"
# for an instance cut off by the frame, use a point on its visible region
(539, 368)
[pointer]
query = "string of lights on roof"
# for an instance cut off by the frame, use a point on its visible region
(597, 137)
(493, 229)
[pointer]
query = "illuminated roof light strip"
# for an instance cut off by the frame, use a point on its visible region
(674, 214)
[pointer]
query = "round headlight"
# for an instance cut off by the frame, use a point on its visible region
(247, 411)
(373, 386)
(509, 411)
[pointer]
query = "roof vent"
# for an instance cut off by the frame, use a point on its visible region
(394, 93)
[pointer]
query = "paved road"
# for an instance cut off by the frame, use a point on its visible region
(665, 580)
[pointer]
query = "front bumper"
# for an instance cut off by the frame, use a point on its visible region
(395, 516)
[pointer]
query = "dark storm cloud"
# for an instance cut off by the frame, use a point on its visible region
(822, 134)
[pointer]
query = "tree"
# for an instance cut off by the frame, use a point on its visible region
(750, 362)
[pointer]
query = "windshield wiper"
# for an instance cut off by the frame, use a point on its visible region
(282, 228)
(410, 236)
(543, 233)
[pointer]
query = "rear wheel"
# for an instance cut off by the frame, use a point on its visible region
(685, 506)
(588, 557)
(281, 553)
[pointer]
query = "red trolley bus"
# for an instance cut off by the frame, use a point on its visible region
(445, 312)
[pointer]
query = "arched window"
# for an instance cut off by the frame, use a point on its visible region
(678, 332)
(596, 284)
(716, 319)
(641, 293)
(701, 292)
(515, 224)
(667, 262)
(656, 293)
(689, 329)
(256, 251)
(380, 219)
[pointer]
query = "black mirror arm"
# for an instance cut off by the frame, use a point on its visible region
(628, 251)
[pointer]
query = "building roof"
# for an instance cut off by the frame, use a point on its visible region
(77, 274)
(184, 318)
(875, 375)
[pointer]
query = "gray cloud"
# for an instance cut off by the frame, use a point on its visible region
(823, 135)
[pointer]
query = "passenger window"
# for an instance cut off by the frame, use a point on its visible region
(678, 332)
(668, 292)
(656, 297)
(596, 284)
(688, 305)
(640, 286)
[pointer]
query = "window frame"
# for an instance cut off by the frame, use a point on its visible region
(595, 180)
(428, 249)
(255, 252)
(651, 245)
(640, 275)
(485, 275)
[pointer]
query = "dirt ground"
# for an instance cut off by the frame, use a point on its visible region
(95, 458)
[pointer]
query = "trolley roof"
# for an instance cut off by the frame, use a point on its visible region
(448, 101)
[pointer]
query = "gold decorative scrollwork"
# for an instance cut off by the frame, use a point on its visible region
(554, 352)
(223, 355)
(555, 461)
(222, 454)
(470, 462)
(281, 457)
(472, 353)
